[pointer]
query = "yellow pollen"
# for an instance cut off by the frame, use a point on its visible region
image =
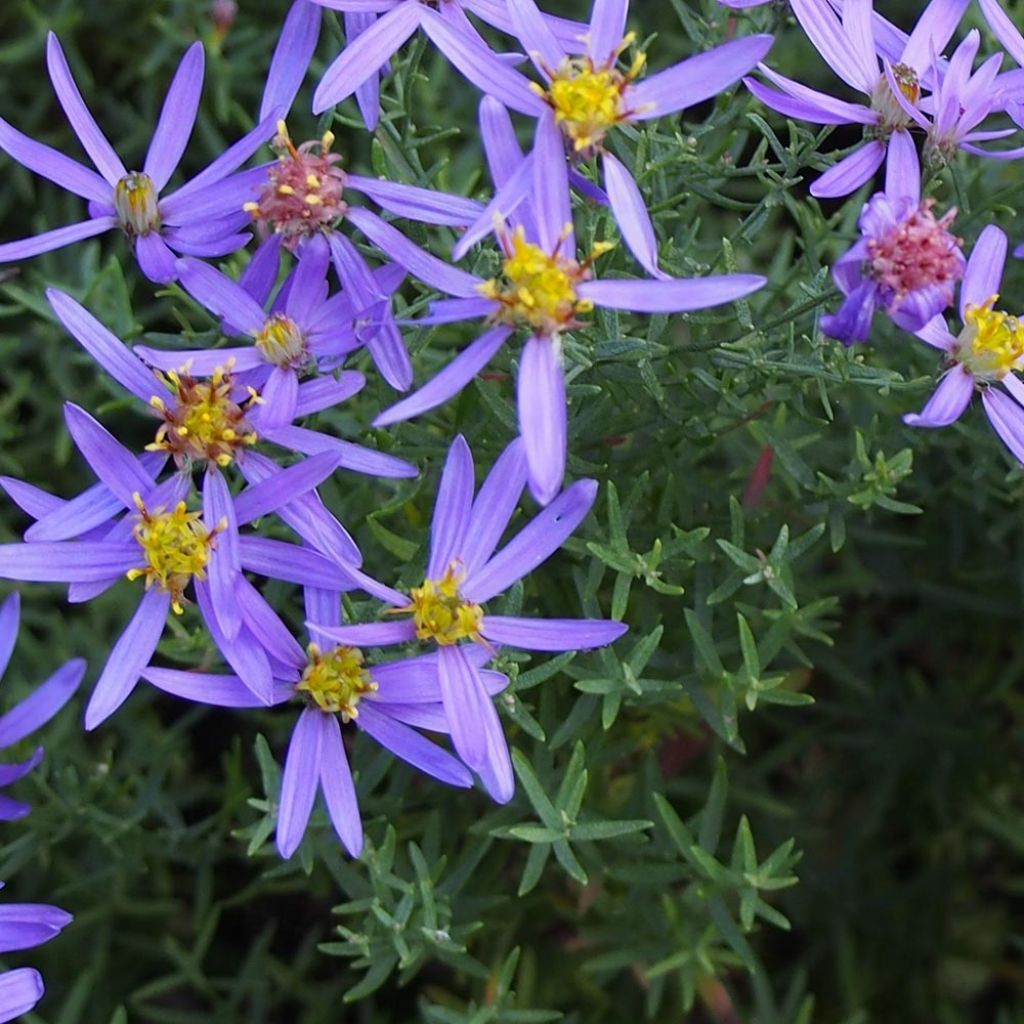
(991, 343)
(286, 190)
(203, 422)
(177, 548)
(441, 613)
(336, 680)
(538, 290)
(589, 99)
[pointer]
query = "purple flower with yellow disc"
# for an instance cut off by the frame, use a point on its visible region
(848, 43)
(337, 686)
(464, 571)
(545, 290)
(985, 356)
(90, 543)
(377, 29)
(201, 218)
(31, 713)
(25, 926)
(302, 333)
(906, 262)
(216, 421)
(589, 96)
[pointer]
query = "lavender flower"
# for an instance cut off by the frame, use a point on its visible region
(848, 44)
(988, 351)
(31, 713)
(906, 262)
(545, 290)
(24, 926)
(303, 332)
(302, 198)
(589, 96)
(373, 41)
(336, 686)
(169, 547)
(201, 218)
(463, 572)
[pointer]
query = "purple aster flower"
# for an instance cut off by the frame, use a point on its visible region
(848, 44)
(301, 197)
(169, 547)
(906, 262)
(216, 421)
(988, 351)
(303, 332)
(545, 290)
(24, 926)
(373, 41)
(588, 96)
(31, 713)
(335, 684)
(464, 572)
(201, 218)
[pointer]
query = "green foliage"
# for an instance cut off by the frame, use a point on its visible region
(820, 683)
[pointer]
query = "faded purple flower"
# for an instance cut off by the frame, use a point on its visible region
(201, 218)
(31, 713)
(463, 573)
(906, 262)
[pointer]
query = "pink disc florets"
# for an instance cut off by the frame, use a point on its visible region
(918, 252)
(304, 188)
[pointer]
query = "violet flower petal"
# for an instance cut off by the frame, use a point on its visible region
(56, 239)
(984, 272)
(493, 507)
(552, 634)
(411, 747)
(851, 172)
(338, 788)
(452, 508)
(292, 54)
(177, 118)
(947, 403)
(675, 295)
(541, 407)
(631, 215)
(20, 990)
(299, 781)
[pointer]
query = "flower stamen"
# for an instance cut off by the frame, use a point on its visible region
(336, 680)
(991, 343)
(441, 613)
(135, 200)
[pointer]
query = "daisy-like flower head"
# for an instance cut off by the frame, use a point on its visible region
(201, 217)
(25, 926)
(986, 355)
(907, 262)
(544, 289)
(31, 713)
(588, 94)
(850, 43)
(130, 525)
(447, 610)
(336, 685)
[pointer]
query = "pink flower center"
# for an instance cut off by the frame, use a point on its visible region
(916, 253)
(303, 193)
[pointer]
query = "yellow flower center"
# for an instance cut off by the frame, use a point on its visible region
(588, 99)
(136, 204)
(538, 290)
(176, 545)
(203, 422)
(440, 611)
(991, 343)
(336, 680)
(282, 342)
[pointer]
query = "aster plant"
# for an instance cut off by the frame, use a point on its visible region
(200, 218)
(464, 571)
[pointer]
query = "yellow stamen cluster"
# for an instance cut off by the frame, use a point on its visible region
(135, 200)
(991, 343)
(177, 548)
(440, 611)
(336, 680)
(588, 99)
(202, 421)
(537, 290)
(282, 342)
